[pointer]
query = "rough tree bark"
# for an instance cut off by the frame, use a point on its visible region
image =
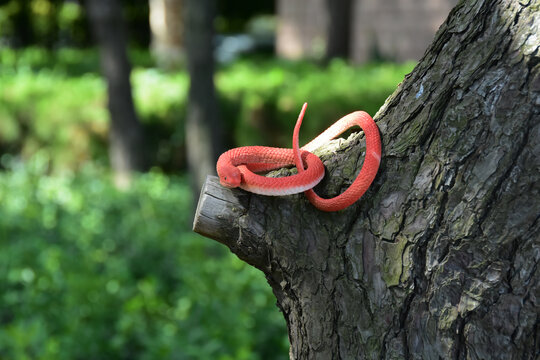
(203, 124)
(126, 136)
(439, 260)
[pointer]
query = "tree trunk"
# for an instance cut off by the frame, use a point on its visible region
(24, 34)
(167, 32)
(127, 151)
(339, 28)
(439, 260)
(203, 125)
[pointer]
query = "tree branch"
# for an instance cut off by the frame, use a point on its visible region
(222, 215)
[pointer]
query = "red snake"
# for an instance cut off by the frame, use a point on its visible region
(236, 167)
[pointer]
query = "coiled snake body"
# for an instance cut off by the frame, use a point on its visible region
(237, 167)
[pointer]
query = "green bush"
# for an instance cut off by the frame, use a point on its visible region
(64, 61)
(56, 101)
(90, 272)
(263, 98)
(67, 116)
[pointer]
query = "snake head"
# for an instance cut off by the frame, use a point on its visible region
(230, 177)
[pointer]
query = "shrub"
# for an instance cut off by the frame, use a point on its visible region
(57, 102)
(265, 97)
(93, 272)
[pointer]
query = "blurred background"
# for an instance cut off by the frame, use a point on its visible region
(112, 113)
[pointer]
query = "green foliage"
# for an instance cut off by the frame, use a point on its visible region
(64, 62)
(90, 272)
(56, 101)
(53, 23)
(39, 111)
(60, 22)
(265, 97)
(41, 21)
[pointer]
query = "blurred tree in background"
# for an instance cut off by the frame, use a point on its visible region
(204, 134)
(55, 23)
(167, 32)
(339, 28)
(126, 138)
